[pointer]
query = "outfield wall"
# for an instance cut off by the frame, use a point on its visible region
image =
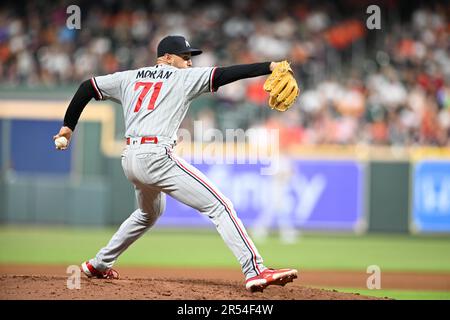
(327, 188)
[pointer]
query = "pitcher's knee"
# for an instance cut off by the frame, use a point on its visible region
(144, 218)
(216, 209)
(150, 213)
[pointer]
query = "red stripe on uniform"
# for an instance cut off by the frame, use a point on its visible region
(228, 209)
(96, 89)
(212, 78)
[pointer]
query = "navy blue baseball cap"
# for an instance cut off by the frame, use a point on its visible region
(176, 45)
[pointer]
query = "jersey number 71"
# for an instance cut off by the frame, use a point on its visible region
(147, 86)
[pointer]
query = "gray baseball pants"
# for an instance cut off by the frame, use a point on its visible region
(155, 172)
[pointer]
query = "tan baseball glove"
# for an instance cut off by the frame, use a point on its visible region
(282, 86)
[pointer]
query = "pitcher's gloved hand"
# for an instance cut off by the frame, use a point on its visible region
(282, 86)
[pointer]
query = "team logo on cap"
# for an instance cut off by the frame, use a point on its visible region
(187, 43)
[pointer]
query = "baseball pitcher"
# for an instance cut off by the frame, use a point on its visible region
(155, 100)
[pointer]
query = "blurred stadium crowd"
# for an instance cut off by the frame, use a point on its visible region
(388, 86)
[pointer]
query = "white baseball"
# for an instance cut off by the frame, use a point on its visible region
(61, 142)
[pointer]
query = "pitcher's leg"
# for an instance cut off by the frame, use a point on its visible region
(189, 186)
(151, 205)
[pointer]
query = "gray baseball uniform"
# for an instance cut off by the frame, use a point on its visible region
(155, 101)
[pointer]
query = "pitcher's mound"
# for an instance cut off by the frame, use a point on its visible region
(56, 287)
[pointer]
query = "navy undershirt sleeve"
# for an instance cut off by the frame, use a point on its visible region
(81, 98)
(225, 75)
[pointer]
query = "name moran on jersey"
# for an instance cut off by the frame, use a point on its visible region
(154, 74)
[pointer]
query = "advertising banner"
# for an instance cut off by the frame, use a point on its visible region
(303, 194)
(431, 199)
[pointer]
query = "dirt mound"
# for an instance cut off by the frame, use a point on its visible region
(39, 287)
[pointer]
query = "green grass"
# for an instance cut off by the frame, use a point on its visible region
(400, 294)
(205, 248)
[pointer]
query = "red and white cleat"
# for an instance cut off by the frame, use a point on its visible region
(91, 272)
(269, 277)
